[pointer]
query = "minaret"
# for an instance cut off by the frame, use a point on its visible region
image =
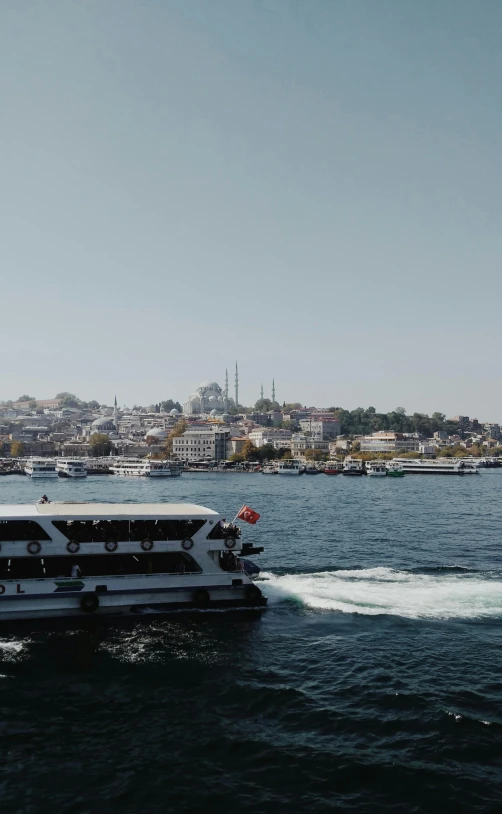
(116, 416)
(226, 390)
(273, 391)
(261, 392)
(236, 387)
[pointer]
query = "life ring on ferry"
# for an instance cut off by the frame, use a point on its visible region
(201, 598)
(147, 545)
(111, 545)
(72, 547)
(187, 544)
(230, 542)
(34, 547)
(89, 603)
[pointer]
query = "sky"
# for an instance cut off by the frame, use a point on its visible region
(310, 187)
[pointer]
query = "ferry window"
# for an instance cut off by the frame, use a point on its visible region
(24, 568)
(168, 562)
(96, 531)
(164, 529)
(21, 530)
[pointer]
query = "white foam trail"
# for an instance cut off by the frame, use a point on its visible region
(382, 590)
(14, 647)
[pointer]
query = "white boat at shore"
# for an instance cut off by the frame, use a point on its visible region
(352, 466)
(145, 468)
(40, 468)
(71, 468)
(439, 466)
(376, 469)
(290, 466)
(81, 559)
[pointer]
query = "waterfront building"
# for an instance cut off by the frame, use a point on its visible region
(203, 442)
(300, 443)
(268, 435)
(322, 429)
(385, 441)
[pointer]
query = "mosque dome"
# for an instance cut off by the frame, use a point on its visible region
(103, 423)
(209, 386)
(157, 432)
(208, 396)
(213, 413)
(174, 412)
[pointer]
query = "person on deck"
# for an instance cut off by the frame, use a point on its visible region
(75, 571)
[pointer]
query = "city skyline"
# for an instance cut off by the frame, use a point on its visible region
(319, 184)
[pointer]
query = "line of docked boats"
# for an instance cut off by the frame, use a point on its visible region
(396, 468)
(80, 467)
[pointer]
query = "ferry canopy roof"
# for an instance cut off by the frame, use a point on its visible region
(100, 510)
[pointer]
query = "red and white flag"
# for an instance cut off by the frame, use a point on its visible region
(249, 515)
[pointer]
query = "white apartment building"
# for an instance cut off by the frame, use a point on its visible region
(322, 429)
(269, 435)
(301, 443)
(384, 441)
(202, 442)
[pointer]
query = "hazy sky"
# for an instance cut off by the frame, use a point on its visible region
(312, 187)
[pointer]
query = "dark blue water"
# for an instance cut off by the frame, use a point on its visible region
(373, 681)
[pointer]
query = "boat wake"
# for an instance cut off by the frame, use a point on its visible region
(371, 591)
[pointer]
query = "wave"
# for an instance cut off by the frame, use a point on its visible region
(373, 591)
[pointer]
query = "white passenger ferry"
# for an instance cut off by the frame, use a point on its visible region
(79, 559)
(353, 466)
(145, 468)
(290, 466)
(71, 468)
(376, 469)
(440, 466)
(40, 468)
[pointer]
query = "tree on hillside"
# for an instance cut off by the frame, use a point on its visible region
(169, 405)
(178, 429)
(26, 398)
(400, 410)
(316, 455)
(32, 405)
(268, 452)
(68, 400)
(250, 452)
(100, 444)
(16, 449)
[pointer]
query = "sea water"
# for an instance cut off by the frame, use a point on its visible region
(372, 681)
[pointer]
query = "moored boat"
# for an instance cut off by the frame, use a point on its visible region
(440, 466)
(394, 469)
(71, 468)
(80, 559)
(352, 466)
(145, 468)
(289, 466)
(333, 467)
(376, 469)
(40, 468)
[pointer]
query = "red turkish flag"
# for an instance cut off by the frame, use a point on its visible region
(249, 515)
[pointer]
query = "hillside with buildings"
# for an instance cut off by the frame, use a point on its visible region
(212, 426)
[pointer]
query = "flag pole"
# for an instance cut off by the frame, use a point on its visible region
(238, 513)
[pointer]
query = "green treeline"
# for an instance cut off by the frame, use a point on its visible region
(366, 421)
